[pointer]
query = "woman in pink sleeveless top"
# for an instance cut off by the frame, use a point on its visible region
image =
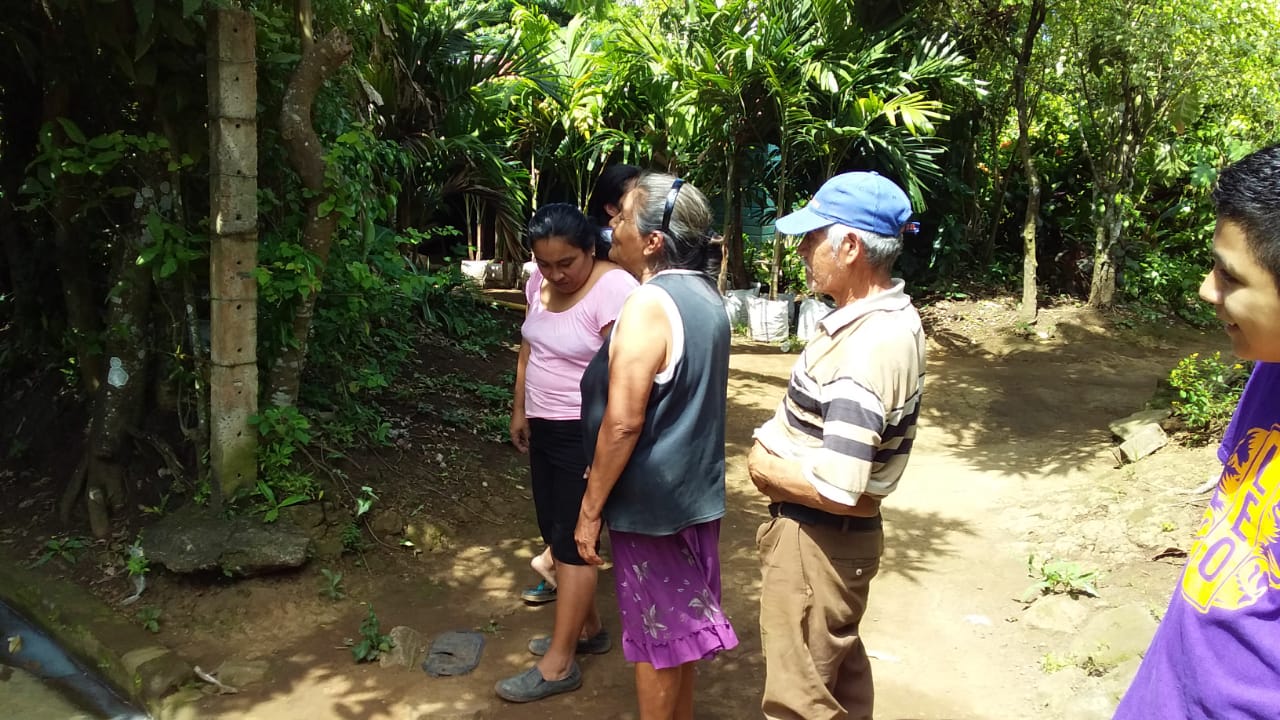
(573, 299)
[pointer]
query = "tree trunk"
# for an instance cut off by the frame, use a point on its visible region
(1035, 18)
(780, 209)
(1027, 312)
(1102, 286)
(735, 264)
(123, 391)
(319, 61)
(1115, 179)
(72, 258)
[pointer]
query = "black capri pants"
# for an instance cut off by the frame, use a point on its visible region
(557, 461)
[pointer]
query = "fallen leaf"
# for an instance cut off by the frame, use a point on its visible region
(15, 644)
(1171, 552)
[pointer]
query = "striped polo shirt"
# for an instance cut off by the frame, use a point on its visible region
(849, 416)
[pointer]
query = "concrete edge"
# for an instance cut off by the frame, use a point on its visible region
(124, 654)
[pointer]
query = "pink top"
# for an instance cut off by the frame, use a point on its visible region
(562, 343)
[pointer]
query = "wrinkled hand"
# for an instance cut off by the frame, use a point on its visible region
(758, 462)
(587, 536)
(520, 431)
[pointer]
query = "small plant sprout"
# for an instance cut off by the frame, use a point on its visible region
(1052, 662)
(372, 643)
(1059, 577)
(135, 562)
(352, 537)
(332, 585)
(149, 618)
(66, 549)
(364, 503)
(271, 507)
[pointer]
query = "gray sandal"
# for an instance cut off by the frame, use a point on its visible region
(530, 685)
(597, 644)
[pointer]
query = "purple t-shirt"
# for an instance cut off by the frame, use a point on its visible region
(562, 343)
(1216, 655)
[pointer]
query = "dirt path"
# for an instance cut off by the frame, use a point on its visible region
(1013, 434)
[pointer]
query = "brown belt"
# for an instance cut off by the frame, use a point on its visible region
(811, 516)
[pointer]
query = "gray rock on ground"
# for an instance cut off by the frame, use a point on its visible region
(1116, 682)
(1113, 636)
(1059, 613)
(1144, 441)
(1127, 427)
(427, 536)
(386, 523)
(1089, 702)
(242, 673)
(193, 539)
(409, 647)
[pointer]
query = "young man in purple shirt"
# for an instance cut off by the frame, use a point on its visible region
(1217, 652)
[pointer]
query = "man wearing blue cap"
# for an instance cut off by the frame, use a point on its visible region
(836, 446)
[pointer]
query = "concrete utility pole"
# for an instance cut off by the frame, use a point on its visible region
(233, 291)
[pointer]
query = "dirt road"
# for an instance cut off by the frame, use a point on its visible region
(1013, 431)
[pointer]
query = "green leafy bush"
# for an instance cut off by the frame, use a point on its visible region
(1207, 391)
(284, 431)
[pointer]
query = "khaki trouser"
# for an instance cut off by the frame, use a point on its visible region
(813, 594)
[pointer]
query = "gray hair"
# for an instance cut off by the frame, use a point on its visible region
(686, 236)
(882, 250)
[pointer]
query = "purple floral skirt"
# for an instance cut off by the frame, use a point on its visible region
(669, 596)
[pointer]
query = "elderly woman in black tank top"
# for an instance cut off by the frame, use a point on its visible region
(653, 410)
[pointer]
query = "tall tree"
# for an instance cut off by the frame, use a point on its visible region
(1138, 71)
(320, 60)
(1025, 106)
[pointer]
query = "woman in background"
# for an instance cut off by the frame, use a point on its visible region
(605, 202)
(574, 297)
(606, 198)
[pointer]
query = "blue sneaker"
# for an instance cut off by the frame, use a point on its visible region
(530, 685)
(543, 592)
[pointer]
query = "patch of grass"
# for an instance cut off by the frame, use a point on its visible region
(792, 344)
(456, 385)
(477, 407)
(1051, 663)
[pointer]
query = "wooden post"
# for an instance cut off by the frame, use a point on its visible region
(233, 291)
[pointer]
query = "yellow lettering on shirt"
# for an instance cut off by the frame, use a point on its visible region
(1234, 558)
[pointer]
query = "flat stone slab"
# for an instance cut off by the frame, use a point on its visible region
(242, 673)
(193, 539)
(1113, 636)
(1144, 441)
(1059, 613)
(1127, 427)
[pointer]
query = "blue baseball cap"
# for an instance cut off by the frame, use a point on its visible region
(862, 200)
